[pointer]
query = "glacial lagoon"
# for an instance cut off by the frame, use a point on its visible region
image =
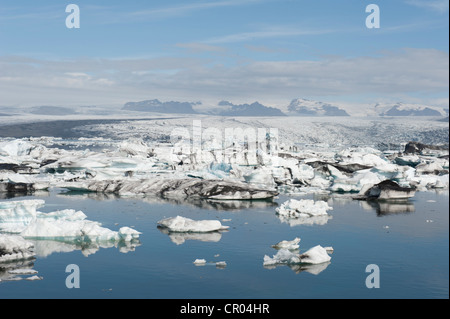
(408, 241)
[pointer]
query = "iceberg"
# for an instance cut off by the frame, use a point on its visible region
(69, 228)
(315, 255)
(288, 244)
(176, 188)
(182, 224)
(14, 247)
(303, 208)
(386, 190)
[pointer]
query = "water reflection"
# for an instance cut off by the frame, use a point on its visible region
(314, 269)
(180, 238)
(208, 204)
(383, 208)
(18, 270)
(313, 220)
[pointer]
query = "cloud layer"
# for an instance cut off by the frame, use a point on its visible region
(30, 81)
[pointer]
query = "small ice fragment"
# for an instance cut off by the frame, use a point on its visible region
(199, 262)
(329, 250)
(34, 278)
(286, 244)
(221, 264)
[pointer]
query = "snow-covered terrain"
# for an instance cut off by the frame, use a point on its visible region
(321, 132)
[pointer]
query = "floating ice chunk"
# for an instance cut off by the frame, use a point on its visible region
(221, 264)
(200, 262)
(286, 244)
(283, 256)
(303, 208)
(15, 215)
(183, 224)
(128, 234)
(32, 278)
(22, 217)
(176, 188)
(315, 255)
(386, 190)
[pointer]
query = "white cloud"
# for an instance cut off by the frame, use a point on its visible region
(267, 33)
(440, 6)
(407, 72)
(187, 8)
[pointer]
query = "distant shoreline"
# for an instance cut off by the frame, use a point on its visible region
(56, 128)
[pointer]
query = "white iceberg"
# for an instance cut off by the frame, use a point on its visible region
(288, 244)
(14, 247)
(64, 230)
(315, 255)
(176, 188)
(303, 208)
(200, 262)
(183, 224)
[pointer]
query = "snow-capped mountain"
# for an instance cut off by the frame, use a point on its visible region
(255, 109)
(160, 107)
(407, 109)
(307, 107)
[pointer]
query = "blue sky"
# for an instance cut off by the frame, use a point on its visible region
(270, 51)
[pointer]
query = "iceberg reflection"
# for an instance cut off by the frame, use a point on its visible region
(179, 238)
(389, 207)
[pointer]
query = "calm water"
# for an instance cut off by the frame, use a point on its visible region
(409, 242)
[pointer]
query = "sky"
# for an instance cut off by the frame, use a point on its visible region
(271, 51)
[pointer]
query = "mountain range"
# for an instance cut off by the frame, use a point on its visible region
(297, 107)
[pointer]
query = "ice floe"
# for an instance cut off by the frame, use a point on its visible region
(27, 232)
(181, 224)
(304, 211)
(137, 168)
(386, 190)
(288, 244)
(315, 255)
